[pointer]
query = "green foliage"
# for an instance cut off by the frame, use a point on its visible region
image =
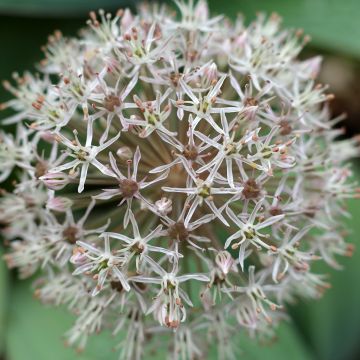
(288, 345)
(56, 8)
(332, 325)
(332, 24)
(3, 300)
(39, 329)
(36, 331)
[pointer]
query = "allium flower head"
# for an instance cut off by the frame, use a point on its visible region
(175, 176)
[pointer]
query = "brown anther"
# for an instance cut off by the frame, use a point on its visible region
(111, 102)
(190, 152)
(128, 188)
(275, 211)
(251, 189)
(40, 99)
(70, 234)
(172, 324)
(37, 293)
(285, 128)
(250, 101)
(178, 302)
(36, 106)
(178, 232)
(40, 169)
(117, 286)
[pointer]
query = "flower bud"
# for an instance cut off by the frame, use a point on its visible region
(241, 40)
(126, 20)
(124, 153)
(224, 261)
(202, 11)
(211, 74)
(312, 66)
(59, 204)
(163, 206)
(78, 257)
(55, 181)
(48, 137)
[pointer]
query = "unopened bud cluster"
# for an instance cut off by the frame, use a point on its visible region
(175, 176)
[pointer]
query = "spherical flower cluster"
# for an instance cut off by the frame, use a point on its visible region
(174, 178)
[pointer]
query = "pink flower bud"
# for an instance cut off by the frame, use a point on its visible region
(163, 206)
(241, 40)
(313, 66)
(224, 261)
(202, 10)
(55, 181)
(124, 153)
(48, 137)
(59, 204)
(126, 20)
(78, 257)
(211, 73)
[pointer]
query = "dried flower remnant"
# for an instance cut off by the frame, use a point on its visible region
(174, 173)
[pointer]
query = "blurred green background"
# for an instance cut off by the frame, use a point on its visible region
(326, 330)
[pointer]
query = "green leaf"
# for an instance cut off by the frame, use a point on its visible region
(332, 324)
(332, 24)
(288, 345)
(57, 8)
(35, 331)
(39, 329)
(3, 298)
